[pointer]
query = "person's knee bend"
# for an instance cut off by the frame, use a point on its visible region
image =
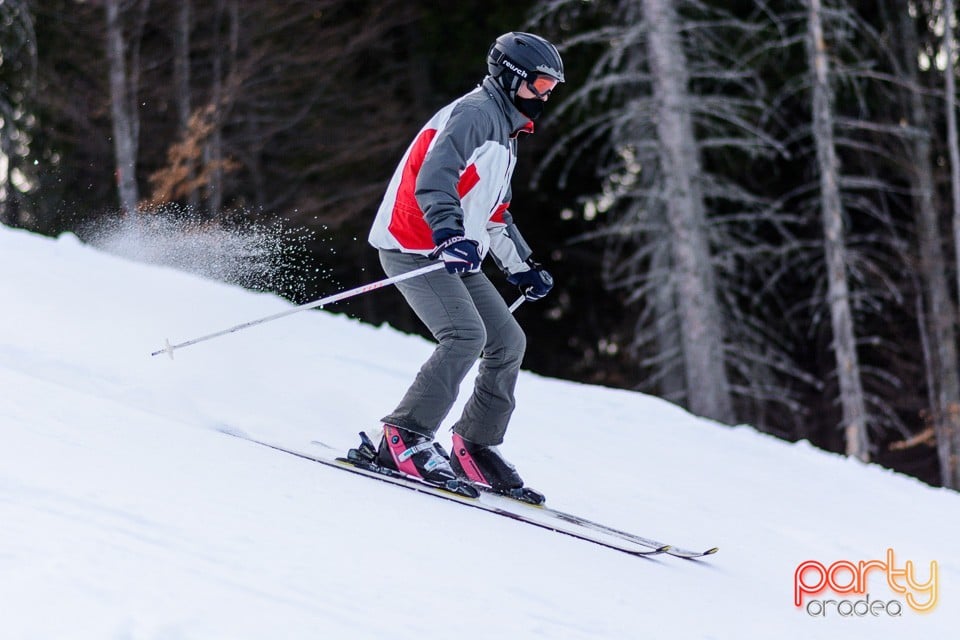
(468, 340)
(514, 343)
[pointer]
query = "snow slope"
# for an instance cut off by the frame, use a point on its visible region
(125, 514)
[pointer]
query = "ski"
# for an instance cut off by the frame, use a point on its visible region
(669, 549)
(366, 452)
(545, 520)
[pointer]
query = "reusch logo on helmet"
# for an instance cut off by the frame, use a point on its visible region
(509, 64)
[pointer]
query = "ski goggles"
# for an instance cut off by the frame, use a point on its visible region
(542, 86)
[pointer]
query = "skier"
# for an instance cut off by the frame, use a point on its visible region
(448, 199)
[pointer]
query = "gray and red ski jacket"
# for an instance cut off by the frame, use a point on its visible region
(456, 174)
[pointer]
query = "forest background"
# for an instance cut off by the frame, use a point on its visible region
(751, 208)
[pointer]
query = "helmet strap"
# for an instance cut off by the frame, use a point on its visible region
(510, 82)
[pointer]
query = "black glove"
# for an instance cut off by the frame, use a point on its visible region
(535, 283)
(459, 255)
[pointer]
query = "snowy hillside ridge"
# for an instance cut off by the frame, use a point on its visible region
(125, 512)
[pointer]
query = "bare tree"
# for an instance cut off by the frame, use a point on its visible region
(948, 436)
(183, 96)
(854, 130)
(224, 61)
(838, 289)
(695, 282)
(953, 145)
(123, 56)
(673, 85)
(939, 319)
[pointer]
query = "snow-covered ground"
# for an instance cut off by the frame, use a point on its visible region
(126, 514)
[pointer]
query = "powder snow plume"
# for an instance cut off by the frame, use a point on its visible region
(258, 256)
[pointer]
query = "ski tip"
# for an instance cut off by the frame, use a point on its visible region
(692, 555)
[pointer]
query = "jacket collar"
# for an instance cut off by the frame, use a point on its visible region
(519, 123)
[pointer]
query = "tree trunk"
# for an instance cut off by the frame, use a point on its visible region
(838, 290)
(124, 117)
(948, 431)
(181, 79)
(707, 386)
(213, 149)
(940, 314)
(220, 98)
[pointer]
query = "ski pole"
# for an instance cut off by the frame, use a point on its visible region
(517, 303)
(169, 348)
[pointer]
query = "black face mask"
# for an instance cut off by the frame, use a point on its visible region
(530, 107)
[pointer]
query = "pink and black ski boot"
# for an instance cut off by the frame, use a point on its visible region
(483, 465)
(415, 455)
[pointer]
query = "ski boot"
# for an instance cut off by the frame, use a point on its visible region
(412, 454)
(484, 466)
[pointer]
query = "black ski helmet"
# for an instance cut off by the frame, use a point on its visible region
(517, 56)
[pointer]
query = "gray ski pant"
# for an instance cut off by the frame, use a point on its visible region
(468, 318)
